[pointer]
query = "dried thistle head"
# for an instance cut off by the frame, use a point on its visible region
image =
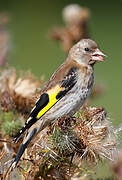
(76, 26)
(74, 14)
(90, 136)
(87, 137)
(25, 85)
(18, 92)
(96, 134)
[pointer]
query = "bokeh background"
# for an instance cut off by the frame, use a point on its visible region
(31, 48)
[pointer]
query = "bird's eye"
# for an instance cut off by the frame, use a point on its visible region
(87, 49)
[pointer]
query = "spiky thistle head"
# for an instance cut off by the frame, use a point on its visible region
(18, 92)
(90, 136)
(74, 14)
(96, 134)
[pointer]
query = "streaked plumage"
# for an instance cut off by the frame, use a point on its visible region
(64, 93)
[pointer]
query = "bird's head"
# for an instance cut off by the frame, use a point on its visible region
(86, 52)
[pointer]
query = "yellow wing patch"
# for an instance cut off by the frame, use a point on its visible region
(52, 93)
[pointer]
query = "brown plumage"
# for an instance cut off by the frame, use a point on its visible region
(61, 72)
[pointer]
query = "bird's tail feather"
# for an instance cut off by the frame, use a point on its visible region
(28, 124)
(23, 146)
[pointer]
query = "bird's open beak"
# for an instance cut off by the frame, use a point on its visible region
(98, 55)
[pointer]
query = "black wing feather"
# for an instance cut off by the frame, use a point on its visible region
(41, 103)
(68, 82)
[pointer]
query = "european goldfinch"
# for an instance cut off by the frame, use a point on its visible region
(65, 92)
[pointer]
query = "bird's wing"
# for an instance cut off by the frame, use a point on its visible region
(49, 98)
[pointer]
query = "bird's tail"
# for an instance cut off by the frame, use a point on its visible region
(28, 124)
(23, 146)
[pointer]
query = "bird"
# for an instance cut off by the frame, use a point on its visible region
(65, 92)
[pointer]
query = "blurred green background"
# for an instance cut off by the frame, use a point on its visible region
(31, 47)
